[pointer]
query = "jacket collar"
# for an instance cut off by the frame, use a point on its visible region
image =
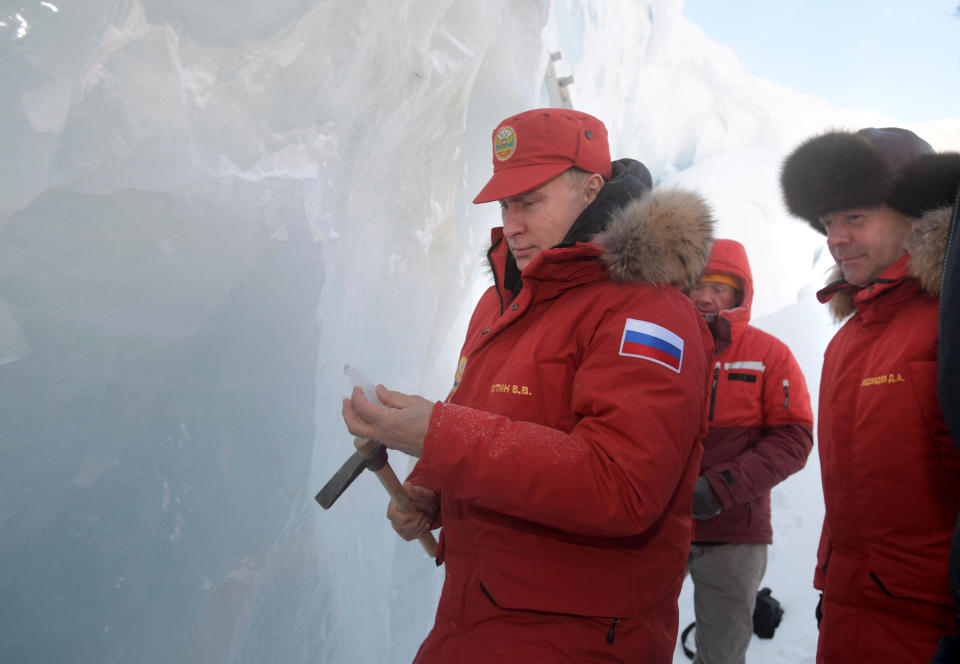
(629, 180)
(661, 238)
(844, 298)
(549, 273)
(727, 324)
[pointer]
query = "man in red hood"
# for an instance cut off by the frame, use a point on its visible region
(760, 432)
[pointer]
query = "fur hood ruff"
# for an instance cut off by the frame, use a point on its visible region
(664, 237)
(925, 244)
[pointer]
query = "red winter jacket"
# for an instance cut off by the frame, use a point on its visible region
(889, 472)
(566, 453)
(761, 425)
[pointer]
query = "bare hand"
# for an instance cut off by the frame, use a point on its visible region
(413, 524)
(401, 425)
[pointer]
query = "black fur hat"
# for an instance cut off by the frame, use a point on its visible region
(928, 183)
(842, 170)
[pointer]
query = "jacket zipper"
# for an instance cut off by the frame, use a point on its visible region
(786, 394)
(613, 626)
(713, 389)
(493, 271)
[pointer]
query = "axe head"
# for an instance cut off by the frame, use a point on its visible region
(348, 472)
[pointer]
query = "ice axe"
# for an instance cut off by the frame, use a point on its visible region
(371, 455)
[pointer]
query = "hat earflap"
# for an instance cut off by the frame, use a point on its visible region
(834, 171)
(927, 183)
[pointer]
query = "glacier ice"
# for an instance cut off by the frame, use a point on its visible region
(206, 209)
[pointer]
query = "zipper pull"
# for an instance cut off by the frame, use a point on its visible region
(786, 394)
(613, 626)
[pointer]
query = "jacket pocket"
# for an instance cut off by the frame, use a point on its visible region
(912, 577)
(739, 396)
(555, 586)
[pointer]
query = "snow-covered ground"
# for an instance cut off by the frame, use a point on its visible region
(207, 209)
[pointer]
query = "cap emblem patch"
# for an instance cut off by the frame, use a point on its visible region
(505, 143)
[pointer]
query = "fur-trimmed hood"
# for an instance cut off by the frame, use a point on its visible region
(662, 238)
(925, 245)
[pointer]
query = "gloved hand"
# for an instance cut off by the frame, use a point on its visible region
(818, 612)
(705, 503)
(948, 650)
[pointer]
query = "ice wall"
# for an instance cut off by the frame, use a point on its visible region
(206, 209)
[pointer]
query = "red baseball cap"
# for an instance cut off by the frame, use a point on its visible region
(534, 146)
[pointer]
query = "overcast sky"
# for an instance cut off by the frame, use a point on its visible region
(899, 58)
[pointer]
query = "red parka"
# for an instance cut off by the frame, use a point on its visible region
(761, 425)
(566, 453)
(889, 470)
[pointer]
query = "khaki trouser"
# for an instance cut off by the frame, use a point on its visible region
(725, 582)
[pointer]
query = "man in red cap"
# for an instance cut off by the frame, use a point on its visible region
(561, 465)
(760, 432)
(890, 471)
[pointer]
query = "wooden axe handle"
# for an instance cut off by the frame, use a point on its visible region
(398, 494)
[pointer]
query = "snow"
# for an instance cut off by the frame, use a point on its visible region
(207, 209)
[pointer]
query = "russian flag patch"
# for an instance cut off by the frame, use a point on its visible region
(652, 342)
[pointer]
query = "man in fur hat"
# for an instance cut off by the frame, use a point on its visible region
(890, 471)
(561, 465)
(760, 432)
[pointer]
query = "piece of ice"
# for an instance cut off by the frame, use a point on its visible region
(365, 384)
